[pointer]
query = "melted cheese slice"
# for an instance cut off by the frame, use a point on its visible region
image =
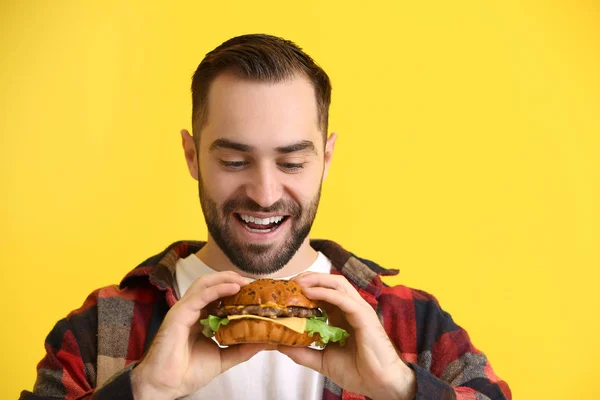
(295, 324)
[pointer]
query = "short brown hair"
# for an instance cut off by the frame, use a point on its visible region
(262, 58)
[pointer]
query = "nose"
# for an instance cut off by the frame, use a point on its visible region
(264, 187)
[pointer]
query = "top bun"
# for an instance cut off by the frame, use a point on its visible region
(270, 291)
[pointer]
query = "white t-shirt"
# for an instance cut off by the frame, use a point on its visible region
(267, 375)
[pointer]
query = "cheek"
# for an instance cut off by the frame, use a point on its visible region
(217, 183)
(304, 187)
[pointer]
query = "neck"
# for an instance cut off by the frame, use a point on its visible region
(213, 256)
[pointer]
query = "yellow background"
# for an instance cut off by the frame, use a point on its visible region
(468, 157)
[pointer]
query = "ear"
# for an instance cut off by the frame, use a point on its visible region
(329, 146)
(189, 149)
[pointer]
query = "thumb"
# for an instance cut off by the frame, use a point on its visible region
(309, 358)
(237, 354)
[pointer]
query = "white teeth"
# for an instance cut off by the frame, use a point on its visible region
(261, 221)
(259, 230)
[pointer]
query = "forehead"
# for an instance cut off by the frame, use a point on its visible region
(262, 114)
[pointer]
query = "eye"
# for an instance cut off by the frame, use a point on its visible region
(233, 164)
(292, 167)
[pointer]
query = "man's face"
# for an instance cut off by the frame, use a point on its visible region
(261, 165)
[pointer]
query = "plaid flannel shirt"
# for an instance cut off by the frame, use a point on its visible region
(91, 352)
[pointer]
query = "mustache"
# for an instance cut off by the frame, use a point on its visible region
(280, 206)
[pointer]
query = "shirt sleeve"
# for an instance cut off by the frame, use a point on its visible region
(68, 370)
(448, 365)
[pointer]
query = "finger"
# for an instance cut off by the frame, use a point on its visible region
(305, 356)
(234, 355)
(210, 308)
(337, 282)
(335, 316)
(301, 274)
(209, 280)
(358, 313)
(201, 299)
(187, 310)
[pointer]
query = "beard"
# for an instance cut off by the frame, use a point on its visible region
(257, 259)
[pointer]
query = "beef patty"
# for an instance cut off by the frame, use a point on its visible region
(269, 312)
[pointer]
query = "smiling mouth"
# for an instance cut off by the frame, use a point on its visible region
(261, 225)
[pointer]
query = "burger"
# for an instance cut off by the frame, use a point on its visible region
(271, 311)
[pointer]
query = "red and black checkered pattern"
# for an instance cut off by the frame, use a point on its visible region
(91, 352)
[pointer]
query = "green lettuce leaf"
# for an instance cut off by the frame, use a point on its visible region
(314, 325)
(212, 324)
(327, 332)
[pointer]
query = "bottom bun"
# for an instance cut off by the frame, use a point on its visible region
(258, 331)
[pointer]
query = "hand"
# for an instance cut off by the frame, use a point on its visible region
(368, 364)
(181, 359)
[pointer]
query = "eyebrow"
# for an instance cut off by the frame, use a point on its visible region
(226, 144)
(300, 146)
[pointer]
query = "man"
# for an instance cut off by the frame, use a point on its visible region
(260, 152)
